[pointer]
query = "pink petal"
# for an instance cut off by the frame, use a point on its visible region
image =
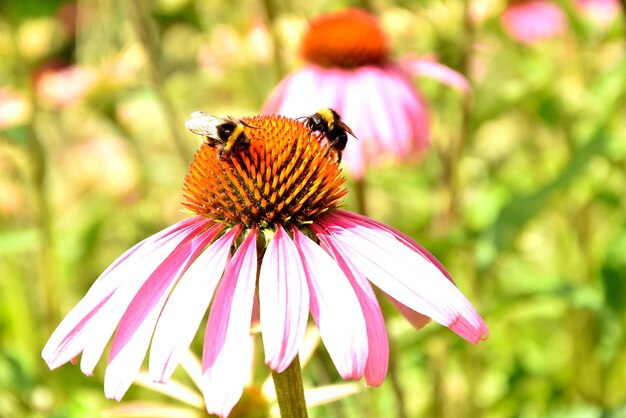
(427, 67)
(186, 307)
(405, 239)
(533, 21)
(134, 276)
(416, 319)
(227, 338)
(335, 309)
(277, 96)
(137, 324)
(332, 88)
(68, 340)
(390, 265)
(372, 82)
(299, 95)
(414, 111)
(378, 358)
(284, 301)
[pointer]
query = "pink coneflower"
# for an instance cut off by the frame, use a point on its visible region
(14, 108)
(600, 11)
(267, 232)
(532, 21)
(348, 68)
(60, 86)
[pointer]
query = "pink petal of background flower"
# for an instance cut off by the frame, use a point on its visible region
(387, 114)
(533, 21)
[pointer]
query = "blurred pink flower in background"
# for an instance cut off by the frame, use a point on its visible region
(532, 21)
(101, 163)
(348, 68)
(62, 86)
(14, 108)
(287, 232)
(601, 11)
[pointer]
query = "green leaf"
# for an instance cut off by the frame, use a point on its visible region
(524, 207)
(18, 241)
(613, 272)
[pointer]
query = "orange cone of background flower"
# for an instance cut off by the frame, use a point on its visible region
(269, 211)
(348, 68)
(533, 21)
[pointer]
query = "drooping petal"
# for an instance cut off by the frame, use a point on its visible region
(378, 345)
(186, 306)
(137, 324)
(416, 319)
(332, 89)
(392, 266)
(414, 109)
(356, 154)
(335, 309)
(227, 338)
(299, 93)
(372, 81)
(405, 239)
(68, 340)
(134, 275)
(283, 300)
(429, 67)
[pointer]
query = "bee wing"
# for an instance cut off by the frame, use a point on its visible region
(205, 124)
(197, 115)
(346, 128)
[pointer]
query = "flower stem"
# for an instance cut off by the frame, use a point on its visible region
(271, 14)
(290, 392)
(458, 145)
(623, 4)
(49, 299)
(46, 260)
(360, 193)
(394, 377)
(148, 38)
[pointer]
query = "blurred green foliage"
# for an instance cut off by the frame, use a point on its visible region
(522, 195)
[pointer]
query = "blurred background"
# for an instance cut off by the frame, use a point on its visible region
(521, 194)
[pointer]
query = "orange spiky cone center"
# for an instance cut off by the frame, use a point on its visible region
(286, 176)
(348, 39)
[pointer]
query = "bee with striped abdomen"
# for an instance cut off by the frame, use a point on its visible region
(222, 132)
(328, 122)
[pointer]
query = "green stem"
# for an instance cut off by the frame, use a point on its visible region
(393, 371)
(437, 358)
(49, 298)
(394, 376)
(148, 37)
(623, 4)
(364, 4)
(457, 147)
(271, 15)
(290, 392)
(360, 194)
(45, 265)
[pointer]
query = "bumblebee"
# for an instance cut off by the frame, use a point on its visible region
(224, 133)
(328, 122)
